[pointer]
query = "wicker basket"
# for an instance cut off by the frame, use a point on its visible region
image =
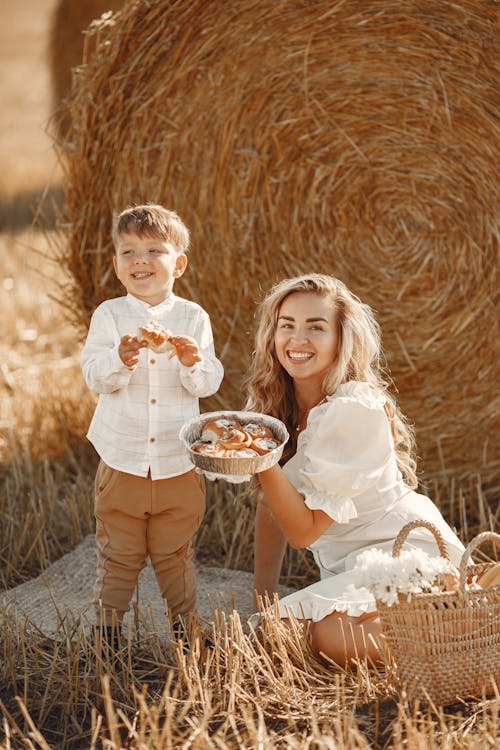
(446, 646)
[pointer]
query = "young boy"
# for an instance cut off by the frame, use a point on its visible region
(148, 499)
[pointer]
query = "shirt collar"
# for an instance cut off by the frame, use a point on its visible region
(152, 310)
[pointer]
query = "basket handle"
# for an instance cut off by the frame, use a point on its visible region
(401, 537)
(473, 544)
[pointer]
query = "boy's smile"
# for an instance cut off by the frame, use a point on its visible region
(148, 266)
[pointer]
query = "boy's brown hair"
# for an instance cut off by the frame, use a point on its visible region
(151, 220)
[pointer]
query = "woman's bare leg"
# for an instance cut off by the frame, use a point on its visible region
(342, 638)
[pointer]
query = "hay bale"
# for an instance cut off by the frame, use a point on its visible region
(354, 138)
(70, 18)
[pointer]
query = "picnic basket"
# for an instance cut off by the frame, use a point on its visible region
(446, 645)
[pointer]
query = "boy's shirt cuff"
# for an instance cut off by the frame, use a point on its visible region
(194, 367)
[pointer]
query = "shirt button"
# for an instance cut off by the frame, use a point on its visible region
(151, 440)
(152, 361)
(153, 401)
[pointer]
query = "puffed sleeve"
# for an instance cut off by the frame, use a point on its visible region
(349, 446)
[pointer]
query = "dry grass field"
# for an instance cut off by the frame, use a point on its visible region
(264, 691)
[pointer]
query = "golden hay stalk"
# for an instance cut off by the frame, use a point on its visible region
(260, 692)
(70, 19)
(354, 138)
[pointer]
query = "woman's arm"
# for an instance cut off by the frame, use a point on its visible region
(300, 525)
(269, 550)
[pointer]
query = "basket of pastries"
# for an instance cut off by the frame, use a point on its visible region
(234, 443)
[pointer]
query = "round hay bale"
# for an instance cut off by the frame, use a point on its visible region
(359, 139)
(70, 18)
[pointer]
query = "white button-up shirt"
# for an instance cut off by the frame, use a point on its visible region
(135, 427)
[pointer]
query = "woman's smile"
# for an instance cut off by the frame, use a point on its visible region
(306, 338)
(300, 356)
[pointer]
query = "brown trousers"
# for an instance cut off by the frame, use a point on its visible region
(137, 518)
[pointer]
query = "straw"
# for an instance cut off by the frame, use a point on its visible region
(68, 23)
(358, 139)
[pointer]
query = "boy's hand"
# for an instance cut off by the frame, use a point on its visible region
(186, 349)
(129, 350)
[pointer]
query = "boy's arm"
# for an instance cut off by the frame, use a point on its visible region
(103, 369)
(203, 378)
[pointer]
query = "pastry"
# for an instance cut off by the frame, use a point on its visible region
(234, 440)
(257, 430)
(264, 445)
(242, 453)
(491, 576)
(215, 429)
(208, 449)
(158, 338)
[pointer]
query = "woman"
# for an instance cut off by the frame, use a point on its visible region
(347, 477)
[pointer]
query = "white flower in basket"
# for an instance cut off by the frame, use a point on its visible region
(412, 572)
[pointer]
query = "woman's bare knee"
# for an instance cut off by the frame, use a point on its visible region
(328, 638)
(342, 638)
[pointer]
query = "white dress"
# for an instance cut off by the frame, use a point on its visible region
(345, 465)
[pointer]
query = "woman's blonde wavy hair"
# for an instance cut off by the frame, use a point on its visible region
(270, 388)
